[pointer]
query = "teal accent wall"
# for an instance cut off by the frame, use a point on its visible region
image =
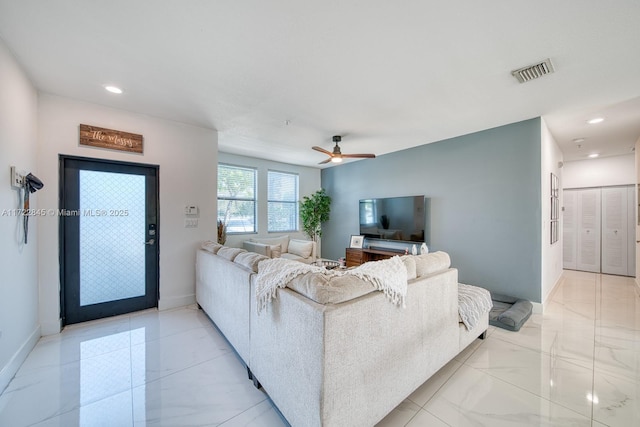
(485, 202)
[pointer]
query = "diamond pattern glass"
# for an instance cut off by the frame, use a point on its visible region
(112, 235)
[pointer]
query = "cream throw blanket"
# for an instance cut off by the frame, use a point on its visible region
(473, 303)
(388, 276)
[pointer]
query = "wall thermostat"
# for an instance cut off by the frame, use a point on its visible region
(191, 210)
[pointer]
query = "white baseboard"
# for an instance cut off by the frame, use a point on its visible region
(10, 369)
(538, 308)
(168, 303)
(50, 328)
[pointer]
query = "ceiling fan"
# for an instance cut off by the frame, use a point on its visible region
(336, 156)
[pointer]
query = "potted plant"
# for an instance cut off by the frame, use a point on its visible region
(314, 210)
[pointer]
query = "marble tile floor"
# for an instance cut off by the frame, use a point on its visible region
(576, 364)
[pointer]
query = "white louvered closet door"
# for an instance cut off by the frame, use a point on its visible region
(614, 230)
(569, 230)
(588, 248)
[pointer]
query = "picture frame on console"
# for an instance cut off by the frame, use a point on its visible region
(356, 241)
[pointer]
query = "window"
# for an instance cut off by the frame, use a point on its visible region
(282, 201)
(237, 198)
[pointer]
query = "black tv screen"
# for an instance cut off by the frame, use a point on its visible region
(394, 218)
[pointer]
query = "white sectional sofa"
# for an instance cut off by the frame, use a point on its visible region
(337, 355)
(223, 291)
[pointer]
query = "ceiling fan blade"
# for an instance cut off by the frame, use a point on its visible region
(363, 156)
(337, 154)
(322, 150)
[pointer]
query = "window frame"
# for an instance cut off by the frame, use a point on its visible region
(295, 202)
(239, 199)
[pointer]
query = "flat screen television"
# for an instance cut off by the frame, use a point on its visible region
(394, 218)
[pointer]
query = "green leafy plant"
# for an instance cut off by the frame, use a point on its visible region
(314, 210)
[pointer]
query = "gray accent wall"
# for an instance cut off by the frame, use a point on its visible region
(485, 202)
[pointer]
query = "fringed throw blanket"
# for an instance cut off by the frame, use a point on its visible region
(388, 276)
(473, 302)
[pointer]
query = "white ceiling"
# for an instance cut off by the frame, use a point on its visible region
(385, 75)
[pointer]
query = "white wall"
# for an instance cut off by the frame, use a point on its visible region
(617, 170)
(187, 156)
(309, 181)
(551, 265)
(19, 329)
(637, 207)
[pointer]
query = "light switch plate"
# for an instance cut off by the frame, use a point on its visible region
(17, 178)
(191, 223)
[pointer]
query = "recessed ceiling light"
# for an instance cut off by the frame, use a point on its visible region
(579, 140)
(594, 155)
(113, 89)
(595, 120)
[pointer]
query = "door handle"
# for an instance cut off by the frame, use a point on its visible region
(150, 242)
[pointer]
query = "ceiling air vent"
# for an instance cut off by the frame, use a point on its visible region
(531, 72)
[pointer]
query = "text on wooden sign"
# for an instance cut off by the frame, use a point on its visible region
(112, 139)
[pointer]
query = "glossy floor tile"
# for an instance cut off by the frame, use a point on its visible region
(576, 364)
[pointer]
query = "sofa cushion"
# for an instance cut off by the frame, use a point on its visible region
(410, 263)
(249, 260)
(431, 263)
(298, 258)
(302, 248)
(211, 246)
(283, 241)
(325, 290)
(230, 253)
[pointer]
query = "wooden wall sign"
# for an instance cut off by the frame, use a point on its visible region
(111, 139)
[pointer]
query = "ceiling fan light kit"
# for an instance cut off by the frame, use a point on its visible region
(336, 155)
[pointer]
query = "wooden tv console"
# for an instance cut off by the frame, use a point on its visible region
(355, 257)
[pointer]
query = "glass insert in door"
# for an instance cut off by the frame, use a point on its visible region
(112, 232)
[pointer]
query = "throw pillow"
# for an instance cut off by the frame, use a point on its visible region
(230, 253)
(275, 250)
(283, 241)
(302, 248)
(249, 260)
(329, 290)
(211, 246)
(431, 263)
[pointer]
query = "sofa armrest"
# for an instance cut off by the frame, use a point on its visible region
(259, 248)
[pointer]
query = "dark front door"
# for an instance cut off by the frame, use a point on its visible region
(109, 238)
